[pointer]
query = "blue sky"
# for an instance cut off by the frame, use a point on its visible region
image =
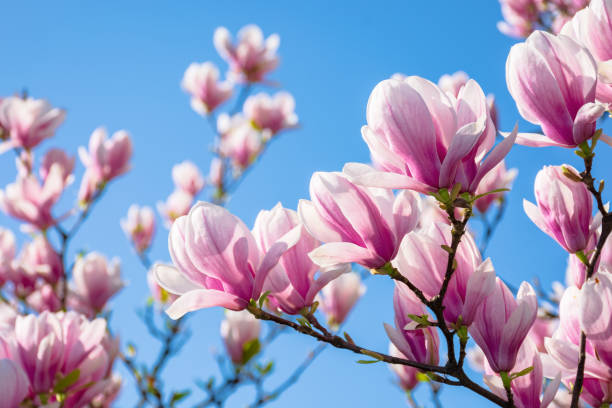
(119, 64)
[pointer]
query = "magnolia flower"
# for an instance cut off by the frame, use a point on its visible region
(252, 57)
(498, 178)
(218, 262)
(95, 282)
(177, 204)
(358, 224)
(238, 329)
(240, 141)
(339, 297)
(201, 81)
(424, 139)
(7, 253)
(27, 122)
(273, 113)
(187, 177)
(59, 157)
(553, 80)
(106, 158)
(407, 377)
(139, 226)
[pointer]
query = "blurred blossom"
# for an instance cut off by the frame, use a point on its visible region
(273, 113)
(499, 177)
(339, 297)
(177, 204)
(24, 123)
(216, 172)
(139, 226)
(187, 177)
(237, 330)
(95, 281)
(252, 57)
(60, 158)
(201, 81)
(44, 298)
(40, 259)
(28, 200)
(106, 158)
(240, 141)
(7, 253)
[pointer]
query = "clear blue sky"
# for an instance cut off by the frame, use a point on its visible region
(119, 64)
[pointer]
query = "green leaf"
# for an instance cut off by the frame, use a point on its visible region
(521, 373)
(422, 377)
(266, 369)
(63, 383)
(571, 175)
(263, 298)
(497, 190)
(506, 380)
(462, 332)
(349, 338)
(303, 322)
(179, 395)
(367, 361)
(249, 350)
(455, 191)
(422, 321)
(583, 258)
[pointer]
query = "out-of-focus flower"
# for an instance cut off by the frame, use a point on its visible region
(499, 177)
(44, 298)
(502, 323)
(106, 158)
(177, 204)
(238, 329)
(27, 122)
(7, 253)
(552, 80)
(218, 261)
(187, 177)
(339, 297)
(358, 224)
(40, 259)
(30, 201)
(406, 376)
(59, 157)
(252, 57)
(139, 226)
(240, 141)
(95, 282)
(201, 81)
(424, 139)
(564, 208)
(273, 113)
(216, 172)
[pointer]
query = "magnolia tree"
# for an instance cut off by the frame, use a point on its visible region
(437, 163)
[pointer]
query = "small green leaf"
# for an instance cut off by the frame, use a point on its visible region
(455, 191)
(422, 321)
(447, 248)
(571, 175)
(263, 298)
(582, 257)
(422, 377)
(179, 395)
(349, 338)
(249, 350)
(63, 383)
(506, 380)
(367, 361)
(521, 373)
(303, 322)
(462, 332)
(266, 369)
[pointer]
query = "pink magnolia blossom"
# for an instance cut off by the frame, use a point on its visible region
(14, 384)
(216, 172)
(407, 377)
(543, 327)
(95, 282)
(526, 389)
(27, 122)
(472, 281)
(139, 226)
(240, 141)
(30, 201)
(452, 83)
(59, 157)
(419, 344)
(564, 208)
(7, 253)
(158, 293)
(499, 177)
(596, 314)
(106, 158)
(553, 80)
(339, 297)
(358, 224)
(273, 113)
(106, 398)
(237, 330)
(187, 177)
(424, 139)
(40, 259)
(592, 27)
(218, 262)
(201, 81)
(252, 57)
(502, 324)
(291, 283)
(519, 17)
(44, 298)
(177, 204)
(564, 346)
